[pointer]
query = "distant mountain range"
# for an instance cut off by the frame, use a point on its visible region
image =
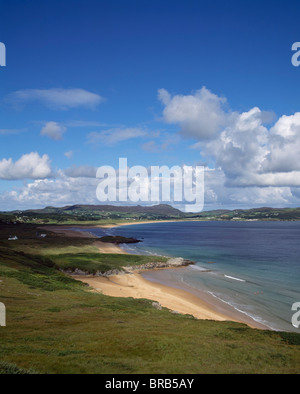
(163, 209)
(90, 213)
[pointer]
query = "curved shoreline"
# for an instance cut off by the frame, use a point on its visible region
(133, 284)
(214, 303)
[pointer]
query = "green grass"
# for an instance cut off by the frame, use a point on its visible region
(57, 325)
(80, 332)
(12, 369)
(93, 262)
(53, 243)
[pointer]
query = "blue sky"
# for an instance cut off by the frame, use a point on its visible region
(159, 82)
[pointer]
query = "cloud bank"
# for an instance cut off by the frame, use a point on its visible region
(253, 157)
(248, 152)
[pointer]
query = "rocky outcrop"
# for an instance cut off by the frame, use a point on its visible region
(78, 272)
(170, 263)
(157, 305)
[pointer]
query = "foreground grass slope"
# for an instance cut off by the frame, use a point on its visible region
(56, 325)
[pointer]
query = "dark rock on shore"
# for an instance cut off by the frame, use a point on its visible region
(119, 240)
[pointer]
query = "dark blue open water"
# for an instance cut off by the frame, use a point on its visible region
(253, 266)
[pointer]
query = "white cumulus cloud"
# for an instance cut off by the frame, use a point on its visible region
(245, 146)
(53, 130)
(29, 166)
(200, 115)
(250, 154)
(284, 142)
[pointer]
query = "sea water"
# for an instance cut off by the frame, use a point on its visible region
(252, 266)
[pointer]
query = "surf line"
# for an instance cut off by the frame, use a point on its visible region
(232, 277)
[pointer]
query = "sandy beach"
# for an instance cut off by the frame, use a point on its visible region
(176, 300)
(130, 223)
(134, 285)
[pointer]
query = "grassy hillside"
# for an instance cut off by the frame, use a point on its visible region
(56, 325)
(107, 214)
(92, 214)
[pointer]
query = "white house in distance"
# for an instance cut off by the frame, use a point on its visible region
(38, 235)
(11, 238)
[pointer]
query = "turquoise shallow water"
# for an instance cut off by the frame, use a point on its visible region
(252, 266)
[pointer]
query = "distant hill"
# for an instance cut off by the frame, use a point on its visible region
(162, 209)
(93, 213)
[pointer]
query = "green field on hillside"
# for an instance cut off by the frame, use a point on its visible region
(57, 325)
